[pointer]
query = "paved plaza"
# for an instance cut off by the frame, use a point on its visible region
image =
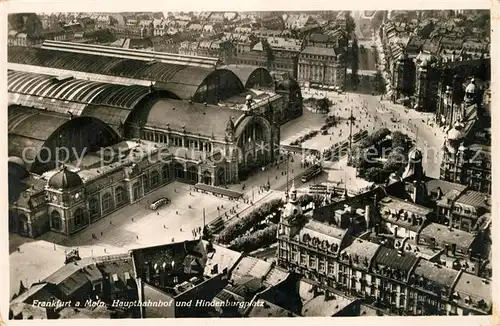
(130, 227)
(371, 113)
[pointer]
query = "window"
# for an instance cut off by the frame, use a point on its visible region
(107, 203)
(312, 261)
(165, 172)
(155, 178)
(302, 259)
(321, 266)
(79, 218)
(56, 221)
(121, 195)
(94, 207)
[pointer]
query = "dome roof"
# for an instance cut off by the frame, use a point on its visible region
(454, 134)
(415, 154)
(288, 84)
(65, 179)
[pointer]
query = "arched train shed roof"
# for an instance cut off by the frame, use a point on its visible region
(75, 90)
(111, 103)
(182, 80)
(31, 129)
(251, 75)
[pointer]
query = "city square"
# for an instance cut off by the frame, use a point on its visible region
(269, 164)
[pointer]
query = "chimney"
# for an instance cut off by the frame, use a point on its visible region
(367, 216)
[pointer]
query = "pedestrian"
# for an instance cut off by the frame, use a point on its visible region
(157, 213)
(18, 249)
(101, 233)
(173, 239)
(137, 237)
(180, 229)
(105, 250)
(177, 212)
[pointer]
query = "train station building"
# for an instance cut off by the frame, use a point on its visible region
(132, 121)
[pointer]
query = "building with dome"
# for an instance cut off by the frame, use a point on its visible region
(322, 66)
(467, 148)
(467, 157)
(109, 108)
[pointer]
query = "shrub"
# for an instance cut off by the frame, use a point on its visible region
(245, 223)
(255, 240)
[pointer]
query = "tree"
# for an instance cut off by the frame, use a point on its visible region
(255, 240)
(245, 223)
(376, 174)
(379, 134)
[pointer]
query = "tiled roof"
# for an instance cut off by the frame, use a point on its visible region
(392, 259)
(275, 276)
(473, 198)
(320, 306)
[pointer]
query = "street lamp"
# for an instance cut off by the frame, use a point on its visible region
(351, 120)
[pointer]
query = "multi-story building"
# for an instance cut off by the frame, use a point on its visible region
(393, 279)
(403, 219)
(426, 84)
(467, 150)
(322, 66)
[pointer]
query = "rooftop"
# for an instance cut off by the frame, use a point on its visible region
(395, 204)
(323, 232)
(363, 250)
(264, 308)
(220, 259)
(436, 273)
(316, 50)
(321, 306)
(193, 117)
(250, 266)
(443, 235)
(445, 186)
(474, 286)
(393, 259)
(474, 199)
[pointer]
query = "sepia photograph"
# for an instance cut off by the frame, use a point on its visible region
(212, 164)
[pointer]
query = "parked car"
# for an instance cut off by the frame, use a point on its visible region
(159, 203)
